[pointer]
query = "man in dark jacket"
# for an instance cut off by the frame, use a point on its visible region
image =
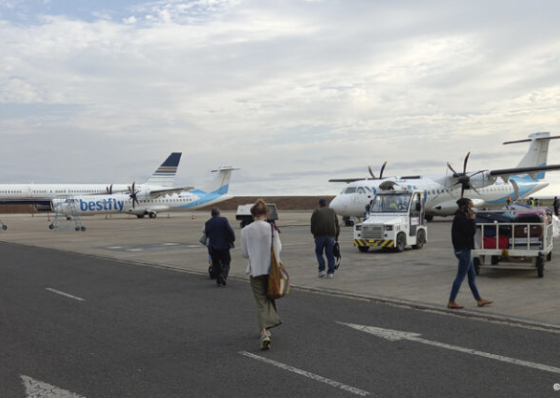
(220, 237)
(462, 236)
(325, 230)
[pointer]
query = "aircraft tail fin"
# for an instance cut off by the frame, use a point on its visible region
(165, 174)
(537, 153)
(220, 183)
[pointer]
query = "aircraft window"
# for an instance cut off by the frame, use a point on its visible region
(368, 189)
(361, 190)
(350, 190)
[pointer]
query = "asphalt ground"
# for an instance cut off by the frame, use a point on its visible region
(414, 278)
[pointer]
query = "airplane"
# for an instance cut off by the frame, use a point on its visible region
(40, 195)
(147, 202)
(486, 188)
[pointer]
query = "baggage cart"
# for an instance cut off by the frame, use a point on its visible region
(513, 240)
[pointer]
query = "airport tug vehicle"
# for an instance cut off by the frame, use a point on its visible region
(513, 239)
(395, 219)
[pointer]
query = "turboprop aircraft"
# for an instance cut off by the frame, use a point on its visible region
(40, 195)
(147, 202)
(486, 188)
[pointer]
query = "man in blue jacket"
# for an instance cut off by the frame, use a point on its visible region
(220, 240)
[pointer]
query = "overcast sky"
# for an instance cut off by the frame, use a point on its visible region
(292, 92)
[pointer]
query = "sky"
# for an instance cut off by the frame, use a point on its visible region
(291, 92)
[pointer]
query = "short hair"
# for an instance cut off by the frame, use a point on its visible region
(259, 208)
(322, 202)
(215, 211)
(463, 202)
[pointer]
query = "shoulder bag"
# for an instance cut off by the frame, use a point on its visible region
(278, 278)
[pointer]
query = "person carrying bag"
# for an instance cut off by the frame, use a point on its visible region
(257, 240)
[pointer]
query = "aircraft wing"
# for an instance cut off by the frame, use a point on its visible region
(347, 180)
(156, 193)
(522, 170)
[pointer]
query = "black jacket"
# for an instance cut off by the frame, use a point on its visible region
(219, 232)
(462, 232)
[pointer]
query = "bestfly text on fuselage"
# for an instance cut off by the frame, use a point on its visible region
(110, 204)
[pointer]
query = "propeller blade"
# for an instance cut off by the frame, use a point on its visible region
(455, 174)
(465, 163)
(371, 172)
(382, 168)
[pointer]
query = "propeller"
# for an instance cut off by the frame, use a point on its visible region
(464, 178)
(133, 195)
(380, 173)
(109, 189)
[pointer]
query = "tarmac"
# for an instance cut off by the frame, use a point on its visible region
(418, 279)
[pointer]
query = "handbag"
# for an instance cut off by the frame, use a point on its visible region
(337, 255)
(278, 278)
(203, 239)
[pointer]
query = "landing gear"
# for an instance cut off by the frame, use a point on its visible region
(152, 214)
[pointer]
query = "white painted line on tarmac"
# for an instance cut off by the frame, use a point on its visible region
(396, 335)
(64, 294)
(307, 374)
(38, 389)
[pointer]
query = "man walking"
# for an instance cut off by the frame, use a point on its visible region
(463, 230)
(221, 237)
(325, 230)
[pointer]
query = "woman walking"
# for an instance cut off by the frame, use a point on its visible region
(256, 240)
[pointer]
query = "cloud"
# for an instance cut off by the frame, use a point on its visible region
(293, 92)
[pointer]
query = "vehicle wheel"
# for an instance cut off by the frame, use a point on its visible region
(363, 249)
(540, 266)
(476, 263)
(549, 257)
(495, 260)
(401, 242)
(420, 239)
(4, 227)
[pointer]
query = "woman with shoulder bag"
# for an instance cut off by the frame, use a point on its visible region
(256, 240)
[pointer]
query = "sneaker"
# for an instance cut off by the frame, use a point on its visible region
(265, 342)
(330, 276)
(322, 274)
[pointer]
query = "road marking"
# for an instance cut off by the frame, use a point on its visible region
(309, 375)
(396, 335)
(64, 294)
(38, 389)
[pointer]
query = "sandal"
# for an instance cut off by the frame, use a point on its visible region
(482, 302)
(454, 306)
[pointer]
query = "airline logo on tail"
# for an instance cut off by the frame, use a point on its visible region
(165, 174)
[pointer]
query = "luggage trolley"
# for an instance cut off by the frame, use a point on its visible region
(513, 239)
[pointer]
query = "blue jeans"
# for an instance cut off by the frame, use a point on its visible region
(325, 243)
(466, 267)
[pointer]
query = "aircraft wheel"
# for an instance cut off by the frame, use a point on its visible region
(83, 229)
(549, 257)
(152, 215)
(401, 242)
(77, 228)
(429, 217)
(51, 226)
(363, 249)
(4, 227)
(140, 215)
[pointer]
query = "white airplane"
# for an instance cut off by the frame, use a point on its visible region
(487, 188)
(40, 195)
(147, 202)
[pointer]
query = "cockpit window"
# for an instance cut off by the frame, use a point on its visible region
(350, 190)
(361, 190)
